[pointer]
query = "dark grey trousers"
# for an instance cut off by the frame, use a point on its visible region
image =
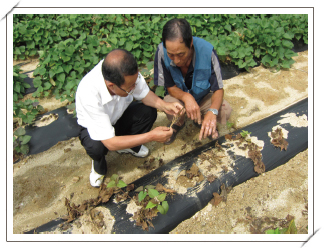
(137, 119)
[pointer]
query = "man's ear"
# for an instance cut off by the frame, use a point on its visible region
(109, 84)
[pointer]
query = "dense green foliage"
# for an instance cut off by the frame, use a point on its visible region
(69, 46)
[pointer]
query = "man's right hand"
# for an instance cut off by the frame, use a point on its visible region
(161, 134)
(192, 108)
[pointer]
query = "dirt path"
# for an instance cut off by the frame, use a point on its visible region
(42, 182)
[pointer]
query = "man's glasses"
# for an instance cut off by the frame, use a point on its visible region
(129, 92)
(133, 87)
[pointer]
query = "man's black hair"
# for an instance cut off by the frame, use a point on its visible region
(114, 69)
(177, 28)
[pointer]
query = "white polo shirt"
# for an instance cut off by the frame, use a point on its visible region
(96, 109)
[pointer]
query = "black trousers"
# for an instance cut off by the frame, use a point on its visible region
(137, 119)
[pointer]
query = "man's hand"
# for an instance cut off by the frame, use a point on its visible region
(192, 108)
(172, 108)
(161, 134)
(209, 126)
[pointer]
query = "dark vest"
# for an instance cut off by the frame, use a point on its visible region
(202, 70)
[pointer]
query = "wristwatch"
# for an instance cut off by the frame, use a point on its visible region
(214, 111)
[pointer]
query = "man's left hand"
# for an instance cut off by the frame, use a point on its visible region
(208, 126)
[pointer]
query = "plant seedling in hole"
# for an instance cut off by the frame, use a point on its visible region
(156, 199)
(115, 182)
(291, 229)
(244, 133)
(229, 125)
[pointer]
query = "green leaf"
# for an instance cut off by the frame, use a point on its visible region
(244, 133)
(165, 206)
(17, 88)
(156, 19)
(159, 91)
(37, 81)
(71, 106)
(292, 228)
(289, 54)
(228, 27)
(111, 184)
(25, 139)
(288, 35)
(121, 184)
(59, 69)
(42, 71)
(114, 177)
(286, 63)
(141, 195)
(24, 149)
(20, 131)
(161, 197)
(113, 40)
(69, 50)
(150, 186)
(241, 64)
(287, 44)
(153, 193)
(161, 209)
(229, 125)
(66, 58)
(266, 59)
(150, 205)
(69, 85)
(129, 45)
(30, 44)
(67, 68)
(140, 188)
(270, 231)
(61, 77)
(147, 54)
(47, 85)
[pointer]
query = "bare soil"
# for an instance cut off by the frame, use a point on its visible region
(42, 182)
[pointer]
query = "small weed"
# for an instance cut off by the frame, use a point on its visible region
(291, 229)
(229, 125)
(151, 201)
(116, 182)
(244, 133)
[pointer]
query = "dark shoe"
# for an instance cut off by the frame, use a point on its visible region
(176, 129)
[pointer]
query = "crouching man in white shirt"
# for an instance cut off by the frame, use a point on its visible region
(109, 118)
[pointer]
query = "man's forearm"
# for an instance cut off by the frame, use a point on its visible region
(178, 93)
(153, 101)
(217, 99)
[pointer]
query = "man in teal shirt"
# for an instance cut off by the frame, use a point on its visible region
(189, 70)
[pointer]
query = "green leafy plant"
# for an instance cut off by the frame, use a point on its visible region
(229, 125)
(116, 182)
(244, 133)
(70, 45)
(157, 199)
(20, 140)
(26, 111)
(291, 229)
